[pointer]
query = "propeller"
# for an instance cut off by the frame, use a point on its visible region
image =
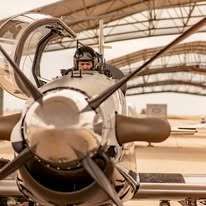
(96, 173)
(95, 102)
(28, 88)
(8, 122)
(16, 163)
(129, 129)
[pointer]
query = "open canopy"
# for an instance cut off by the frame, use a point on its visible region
(24, 38)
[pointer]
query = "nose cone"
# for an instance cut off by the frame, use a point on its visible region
(59, 132)
(62, 145)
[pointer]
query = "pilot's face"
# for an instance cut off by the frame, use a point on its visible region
(85, 65)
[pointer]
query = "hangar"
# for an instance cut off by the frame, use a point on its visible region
(126, 20)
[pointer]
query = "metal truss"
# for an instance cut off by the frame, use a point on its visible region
(184, 53)
(126, 20)
(183, 87)
(182, 70)
(171, 90)
(189, 80)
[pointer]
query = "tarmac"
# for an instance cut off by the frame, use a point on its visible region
(180, 153)
(183, 152)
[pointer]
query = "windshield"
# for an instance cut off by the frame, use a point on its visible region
(24, 38)
(52, 63)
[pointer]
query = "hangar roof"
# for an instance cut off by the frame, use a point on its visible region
(133, 19)
(127, 61)
(181, 70)
(126, 19)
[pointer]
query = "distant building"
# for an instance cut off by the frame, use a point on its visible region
(156, 110)
(132, 111)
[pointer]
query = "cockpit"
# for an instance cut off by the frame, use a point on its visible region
(30, 40)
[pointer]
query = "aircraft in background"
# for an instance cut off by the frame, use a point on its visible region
(69, 140)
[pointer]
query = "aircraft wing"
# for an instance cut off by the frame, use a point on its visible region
(183, 131)
(170, 186)
(152, 186)
(189, 129)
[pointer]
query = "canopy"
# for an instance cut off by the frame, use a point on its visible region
(24, 37)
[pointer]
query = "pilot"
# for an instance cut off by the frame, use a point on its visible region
(85, 59)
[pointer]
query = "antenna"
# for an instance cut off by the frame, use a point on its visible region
(101, 37)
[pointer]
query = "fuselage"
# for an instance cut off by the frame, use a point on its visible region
(47, 180)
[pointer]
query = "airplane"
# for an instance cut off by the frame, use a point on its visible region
(69, 139)
(188, 125)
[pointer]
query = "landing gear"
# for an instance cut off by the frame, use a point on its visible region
(15, 201)
(164, 203)
(188, 202)
(202, 202)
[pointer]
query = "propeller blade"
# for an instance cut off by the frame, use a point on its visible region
(96, 173)
(7, 124)
(16, 163)
(28, 88)
(130, 129)
(95, 102)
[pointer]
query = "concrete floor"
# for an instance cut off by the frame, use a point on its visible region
(179, 154)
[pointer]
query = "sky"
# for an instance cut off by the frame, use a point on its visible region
(12, 7)
(177, 103)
